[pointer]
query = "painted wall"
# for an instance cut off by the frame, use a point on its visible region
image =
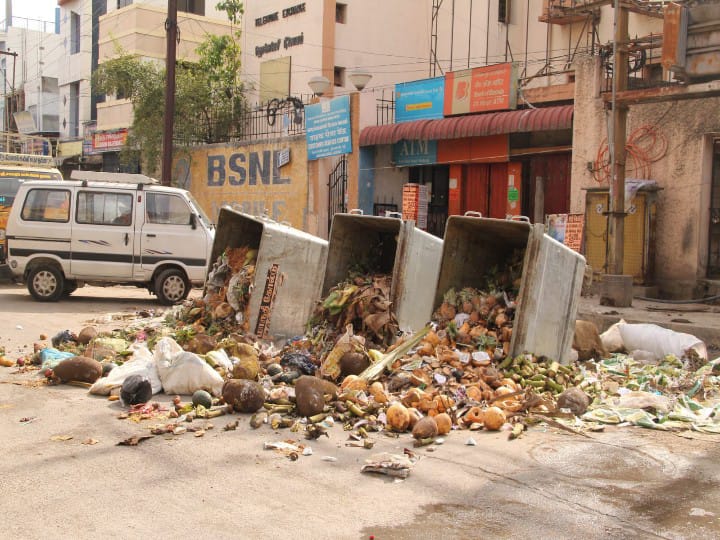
(246, 175)
(682, 172)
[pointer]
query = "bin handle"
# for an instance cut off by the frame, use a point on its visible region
(393, 214)
(357, 211)
(473, 213)
(518, 218)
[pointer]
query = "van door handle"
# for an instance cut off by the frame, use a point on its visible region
(127, 238)
(150, 235)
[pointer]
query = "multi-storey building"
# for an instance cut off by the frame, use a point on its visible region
(30, 71)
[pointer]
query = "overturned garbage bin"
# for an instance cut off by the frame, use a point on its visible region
(550, 282)
(286, 276)
(387, 245)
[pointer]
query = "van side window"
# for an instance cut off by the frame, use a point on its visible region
(104, 208)
(47, 205)
(167, 209)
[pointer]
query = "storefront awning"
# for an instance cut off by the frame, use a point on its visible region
(475, 125)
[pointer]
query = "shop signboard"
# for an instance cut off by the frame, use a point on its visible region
(481, 89)
(414, 152)
(109, 141)
(419, 100)
(327, 128)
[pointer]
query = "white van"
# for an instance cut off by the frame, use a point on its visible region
(107, 229)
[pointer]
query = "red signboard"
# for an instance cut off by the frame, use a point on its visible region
(482, 89)
(415, 203)
(104, 141)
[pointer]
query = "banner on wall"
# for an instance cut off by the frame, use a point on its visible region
(327, 128)
(415, 204)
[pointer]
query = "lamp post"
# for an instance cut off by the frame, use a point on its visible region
(319, 85)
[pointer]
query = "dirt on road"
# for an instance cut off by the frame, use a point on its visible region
(63, 475)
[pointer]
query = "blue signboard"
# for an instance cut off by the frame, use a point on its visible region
(410, 153)
(327, 128)
(419, 100)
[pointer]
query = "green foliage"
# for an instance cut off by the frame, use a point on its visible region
(208, 94)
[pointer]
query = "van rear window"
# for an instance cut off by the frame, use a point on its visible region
(47, 205)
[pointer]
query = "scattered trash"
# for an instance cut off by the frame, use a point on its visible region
(331, 459)
(134, 441)
(470, 442)
(136, 389)
(61, 437)
(394, 465)
(90, 441)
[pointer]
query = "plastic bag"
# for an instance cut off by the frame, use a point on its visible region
(136, 389)
(184, 372)
(50, 358)
(660, 341)
(141, 363)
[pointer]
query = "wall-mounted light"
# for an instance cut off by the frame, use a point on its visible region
(319, 85)
(360, 78)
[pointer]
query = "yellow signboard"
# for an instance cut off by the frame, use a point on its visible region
(254, 178)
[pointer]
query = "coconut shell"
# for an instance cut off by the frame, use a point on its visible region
(201, 344)
(574, 399)
(378, 392)
(87, 334)
(398, 417)
(425, 428)
(310, 394)
(353, 363)
(493, 418)
(444, 423)
(222, 310)
(246, 368)
(243, 395)
(78, 368)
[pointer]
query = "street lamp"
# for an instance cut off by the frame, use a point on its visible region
(360, 78)
(319, 85)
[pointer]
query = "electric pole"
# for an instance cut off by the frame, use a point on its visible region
(171, 32)
(616, 223)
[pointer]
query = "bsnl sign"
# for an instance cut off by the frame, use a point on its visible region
(245, 168)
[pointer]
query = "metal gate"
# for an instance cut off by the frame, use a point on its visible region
(337, 181)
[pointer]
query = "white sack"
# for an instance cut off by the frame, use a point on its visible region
(660, 341)
(141, 363)
(184, 372)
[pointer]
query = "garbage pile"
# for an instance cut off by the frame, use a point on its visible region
(363, 302)
(483, 319)
(226, 303)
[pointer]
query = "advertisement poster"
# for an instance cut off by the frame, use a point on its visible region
(419, 100)
(482, 89)
(574, 231)
(555, 226)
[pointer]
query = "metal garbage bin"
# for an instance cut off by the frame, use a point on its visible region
(552, 276)
(288, 272)
(394, 247)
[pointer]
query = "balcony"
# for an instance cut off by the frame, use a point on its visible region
(140, 29)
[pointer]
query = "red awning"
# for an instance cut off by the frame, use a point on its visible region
(474, 125)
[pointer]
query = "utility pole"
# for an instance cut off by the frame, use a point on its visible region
(7, 103)
(616, 223)
(171, 32)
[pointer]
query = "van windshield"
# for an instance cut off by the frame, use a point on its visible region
(8, 189)
(201, 213)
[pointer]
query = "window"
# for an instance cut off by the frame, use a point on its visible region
(74, 32)
(192, 6)
(504, 11)
(47, 205)
(341, 13)
(339, 76)
(167, 209)
(104, 208)
(74, 130)
(123, 3)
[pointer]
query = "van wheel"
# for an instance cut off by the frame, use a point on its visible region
(69, 288)
(46, 283)
(171, 287)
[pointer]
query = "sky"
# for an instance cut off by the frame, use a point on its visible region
(31, 9)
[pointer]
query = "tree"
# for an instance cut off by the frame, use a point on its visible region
(209, 99)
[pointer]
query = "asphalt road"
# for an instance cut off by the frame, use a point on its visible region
(622, 483)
